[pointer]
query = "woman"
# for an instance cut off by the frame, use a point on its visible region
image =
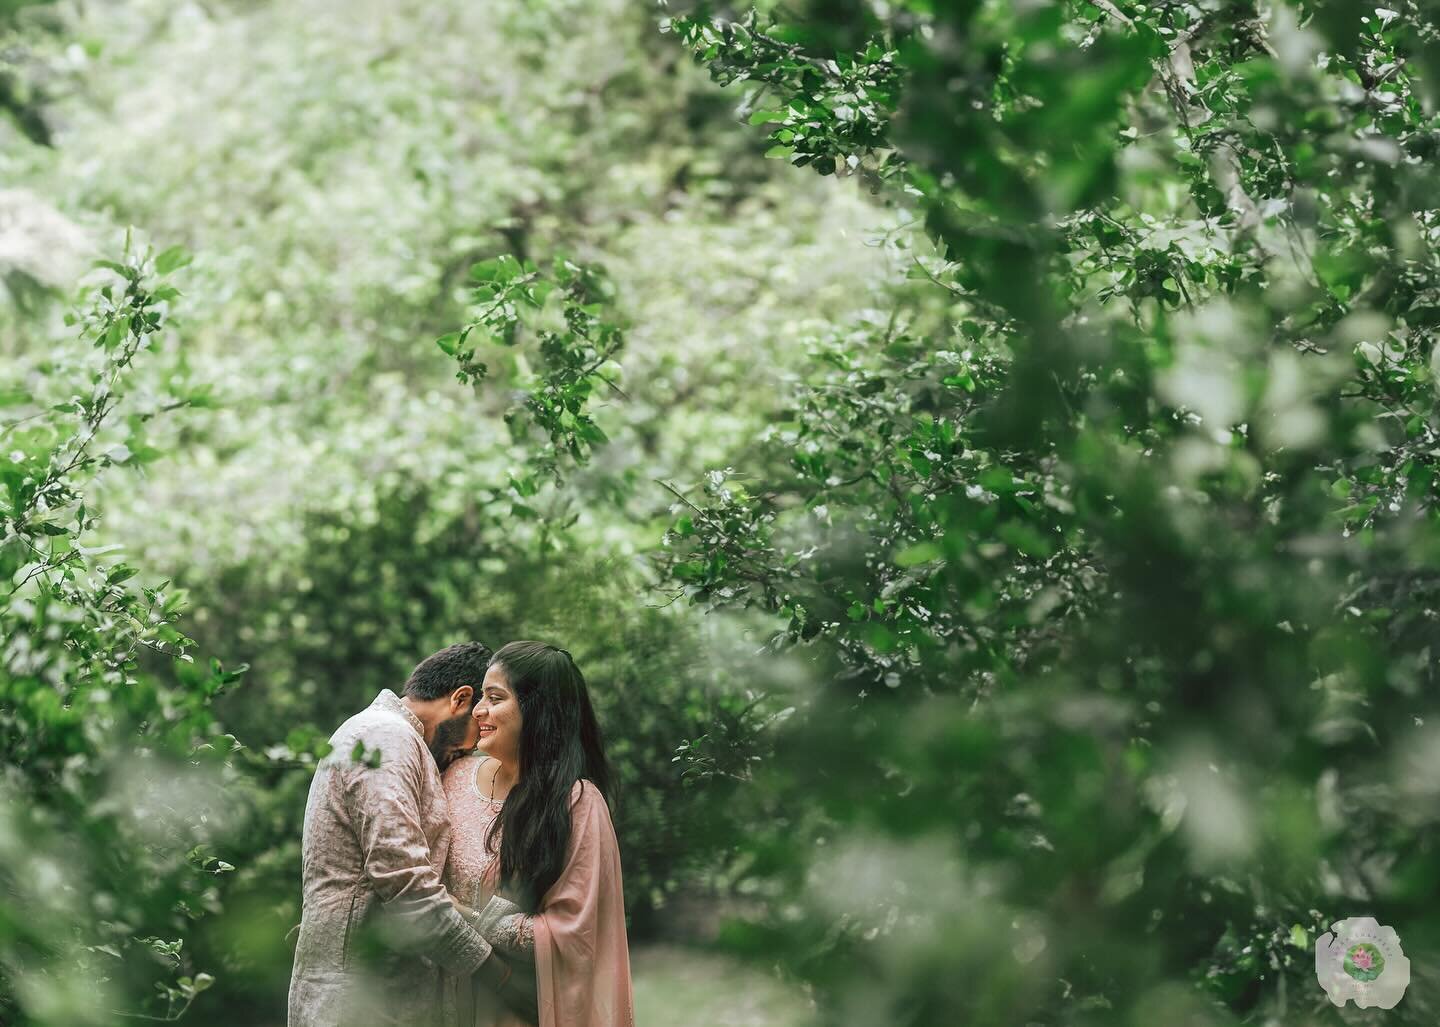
(533, 849)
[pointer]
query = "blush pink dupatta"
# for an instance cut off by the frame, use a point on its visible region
(582, 958)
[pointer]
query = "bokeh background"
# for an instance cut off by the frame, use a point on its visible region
(1004, 561)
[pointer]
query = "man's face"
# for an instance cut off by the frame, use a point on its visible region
(457, 733)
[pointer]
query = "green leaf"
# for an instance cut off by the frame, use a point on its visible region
(115, 333)
(172, 259)
(919, 553)
(499, 270)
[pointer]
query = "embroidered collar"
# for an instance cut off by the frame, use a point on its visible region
(390, 703)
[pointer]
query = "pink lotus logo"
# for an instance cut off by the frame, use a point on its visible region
(1362, 960)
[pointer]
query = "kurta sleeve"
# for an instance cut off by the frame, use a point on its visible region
(515, 934)
(582, 959)
(506, 926)
(384, 806)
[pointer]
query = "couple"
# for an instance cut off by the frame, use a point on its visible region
(485, 896)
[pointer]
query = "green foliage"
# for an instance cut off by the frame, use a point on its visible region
(1084, 520)
(1102, 554)
(103, 868)
(576, 348)
(26, 72)
(829, 112)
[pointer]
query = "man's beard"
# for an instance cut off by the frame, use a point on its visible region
(449, 740)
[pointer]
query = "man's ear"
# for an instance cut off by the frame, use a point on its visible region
(461, 700)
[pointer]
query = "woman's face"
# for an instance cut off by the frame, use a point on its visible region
(497, 715)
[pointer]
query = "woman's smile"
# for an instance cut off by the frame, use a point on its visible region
(498, 718)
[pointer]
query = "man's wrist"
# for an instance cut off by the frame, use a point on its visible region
(467, 949)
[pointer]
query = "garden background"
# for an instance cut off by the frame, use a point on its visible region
(981, 453)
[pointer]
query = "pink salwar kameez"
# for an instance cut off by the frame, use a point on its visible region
(577, 938)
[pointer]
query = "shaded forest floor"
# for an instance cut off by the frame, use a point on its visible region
(676, 985)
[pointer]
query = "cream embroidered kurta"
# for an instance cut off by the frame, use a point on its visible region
(375, 843)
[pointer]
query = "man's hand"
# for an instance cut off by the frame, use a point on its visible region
(517, 991)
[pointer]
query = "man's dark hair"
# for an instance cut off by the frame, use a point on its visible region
(439, 675)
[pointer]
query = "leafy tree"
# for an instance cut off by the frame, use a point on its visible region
(1099, 549)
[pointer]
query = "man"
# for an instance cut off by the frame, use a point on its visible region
(378, 925)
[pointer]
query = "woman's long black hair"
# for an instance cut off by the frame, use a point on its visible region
(560, 744)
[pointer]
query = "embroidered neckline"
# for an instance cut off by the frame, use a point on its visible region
(389, 701)
(475, 784)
